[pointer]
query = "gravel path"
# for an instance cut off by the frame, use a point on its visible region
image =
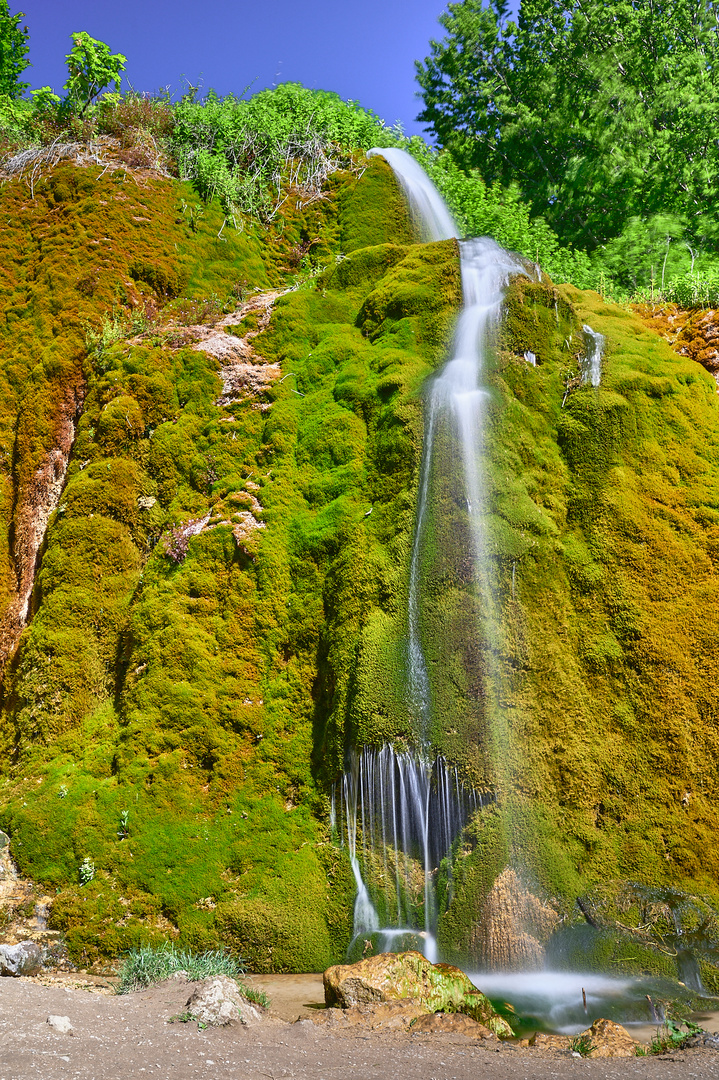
(129, 1038)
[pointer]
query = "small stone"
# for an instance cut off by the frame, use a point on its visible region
(146, 502)
(61, 1024)
(4, 840)
(22, 959)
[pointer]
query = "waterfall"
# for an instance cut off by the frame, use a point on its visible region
(399, 816)
(430, 213)
(402, 811)
(591, 365)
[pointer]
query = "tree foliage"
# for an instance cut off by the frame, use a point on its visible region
(92, 68)
(600, 112)
(13, 52)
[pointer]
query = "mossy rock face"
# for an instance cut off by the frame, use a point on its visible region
(180, 701)
(205, 689)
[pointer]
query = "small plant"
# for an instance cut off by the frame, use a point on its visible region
(186, 1018)
(87, 871)
(670, 1036)
(123, 831)
(582, 1044)
(62, 791)
(113, 328)
(147, 965)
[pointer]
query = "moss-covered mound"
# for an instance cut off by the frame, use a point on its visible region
(173, 714)
(602, 683)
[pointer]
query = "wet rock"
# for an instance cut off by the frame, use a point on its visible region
(513, 927)
(61, 1024)
(22, 959)
(218, 1000)
(409, 975)
(705, 1039)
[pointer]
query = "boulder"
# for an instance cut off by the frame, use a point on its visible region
(409, 975)
(610, 1040)
(22, 959)
(61, 1024)
(218, 1000)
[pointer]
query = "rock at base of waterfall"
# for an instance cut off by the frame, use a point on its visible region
(60, 1024)
(218, 1000)
(452, 1024)
(407, 1015)
(513, 927)
(608, 1040)
(22, 959)
(409, 975)
(377, 1015)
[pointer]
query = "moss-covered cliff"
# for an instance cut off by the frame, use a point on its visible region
(208, 554)
(218, 606)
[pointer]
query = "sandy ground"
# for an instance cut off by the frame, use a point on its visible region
(127, 1037)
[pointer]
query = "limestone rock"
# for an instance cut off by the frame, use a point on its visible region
(541, 1041)
(22, 959)
(610, 1040)
(385, 1015)
(454, 1024)
(218, 1000)
(61, 1024)
(409, 975)
(513, 927)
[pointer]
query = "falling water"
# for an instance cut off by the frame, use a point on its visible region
(591, 365)
(402, 811)
(400, 815)
(430, 213)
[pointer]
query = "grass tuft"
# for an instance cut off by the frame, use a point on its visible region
(147, 965)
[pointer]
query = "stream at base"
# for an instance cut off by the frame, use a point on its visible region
(552, 1001)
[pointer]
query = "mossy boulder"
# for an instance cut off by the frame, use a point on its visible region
(409, 975)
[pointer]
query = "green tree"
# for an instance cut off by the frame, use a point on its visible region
(92, 68)
(601, 112)
(13, 52)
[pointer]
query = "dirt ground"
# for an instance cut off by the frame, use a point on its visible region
(130, 1038)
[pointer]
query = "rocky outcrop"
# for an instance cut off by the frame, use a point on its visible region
(409, 975)
(36, 500)
(610, 1040)
(218, 1001)
(513, 927)
(410, 1016)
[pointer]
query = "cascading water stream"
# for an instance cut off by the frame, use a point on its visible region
(404, 809)
(591, 365)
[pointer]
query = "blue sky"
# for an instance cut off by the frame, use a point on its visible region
(362, 51)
